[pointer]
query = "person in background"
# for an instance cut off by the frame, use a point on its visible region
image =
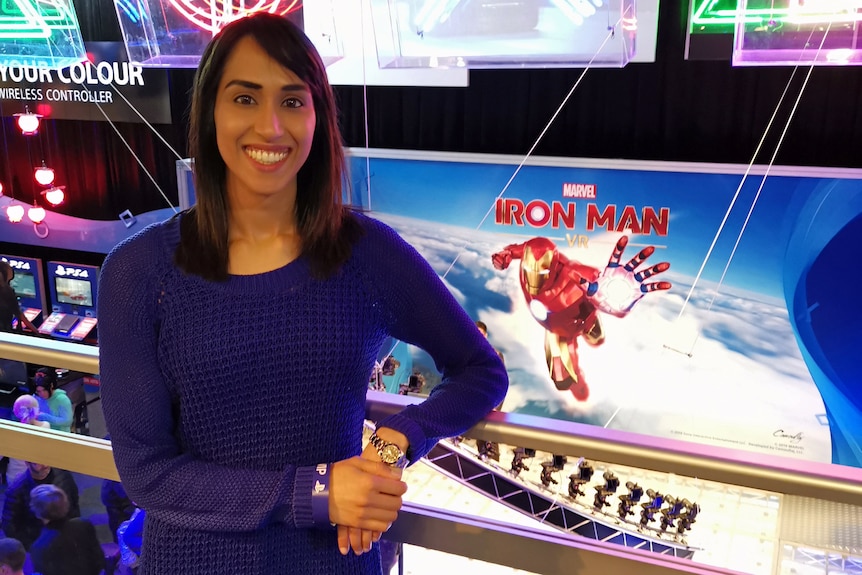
(54, 405)
(183, 372)
(483, 329)
(117, 504)
(12, 556)
(65, 546)
(130, 537)
(18, 520)
(26, 410)
(488, 449)
(10, 310)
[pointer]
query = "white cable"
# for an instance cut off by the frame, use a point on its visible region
(763, 179)
(135, 110)
(736, 194)
(137, 159)
(742, 182)
(536, 143)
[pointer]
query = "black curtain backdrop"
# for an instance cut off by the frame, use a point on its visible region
(672, 109)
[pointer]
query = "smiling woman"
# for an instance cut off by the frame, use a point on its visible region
(183, 371)
(272, 103)
(264, 117)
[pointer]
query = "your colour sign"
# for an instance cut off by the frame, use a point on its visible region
(105, 84)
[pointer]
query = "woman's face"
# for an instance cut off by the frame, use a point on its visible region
(264, 120)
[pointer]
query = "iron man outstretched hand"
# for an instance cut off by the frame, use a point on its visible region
(620, 287)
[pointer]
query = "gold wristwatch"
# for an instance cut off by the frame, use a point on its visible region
(389, 453)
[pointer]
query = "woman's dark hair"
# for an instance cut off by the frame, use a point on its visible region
(49, 502)
(6, 273)
(327, 229)
(45, 377)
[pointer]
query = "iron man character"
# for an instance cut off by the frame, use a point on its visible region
(565, 296)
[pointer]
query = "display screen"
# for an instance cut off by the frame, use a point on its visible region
(74, 291)
(24, 284)
(13, 372)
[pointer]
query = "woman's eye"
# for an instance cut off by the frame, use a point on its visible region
(244, 100)
(293, 103)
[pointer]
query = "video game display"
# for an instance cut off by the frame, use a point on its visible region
(73, 291)
(29, 286)
(24, 285)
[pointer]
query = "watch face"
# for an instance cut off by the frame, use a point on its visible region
(390, 454)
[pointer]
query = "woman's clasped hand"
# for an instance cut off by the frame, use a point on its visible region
(364, 501)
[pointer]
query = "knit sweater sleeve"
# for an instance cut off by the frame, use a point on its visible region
(172, 485)
(417, 308)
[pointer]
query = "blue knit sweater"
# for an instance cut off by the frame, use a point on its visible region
(221, 397)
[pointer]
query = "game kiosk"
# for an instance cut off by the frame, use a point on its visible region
(28, 284)
(74, 292)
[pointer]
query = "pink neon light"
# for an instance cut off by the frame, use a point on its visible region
(36, 214)
(15, 213)
(212, 15)
(55, 196)
(29, 123)
(44, 175)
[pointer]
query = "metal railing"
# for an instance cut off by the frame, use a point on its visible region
(742, 468)
(475, 537)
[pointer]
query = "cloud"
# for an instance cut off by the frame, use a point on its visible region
(721, 368)
(456, 293)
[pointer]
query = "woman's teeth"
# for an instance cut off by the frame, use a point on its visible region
(263, 157)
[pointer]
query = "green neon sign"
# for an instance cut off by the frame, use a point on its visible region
(37, 33)
(718, 16)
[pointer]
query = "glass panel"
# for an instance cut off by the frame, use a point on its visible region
(39, 34)
(794, 32)
(174, 34)
(452, 33)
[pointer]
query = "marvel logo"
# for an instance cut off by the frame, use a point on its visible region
(581, 191)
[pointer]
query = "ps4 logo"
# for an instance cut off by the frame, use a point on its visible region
(73, 272)
(16, 264)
